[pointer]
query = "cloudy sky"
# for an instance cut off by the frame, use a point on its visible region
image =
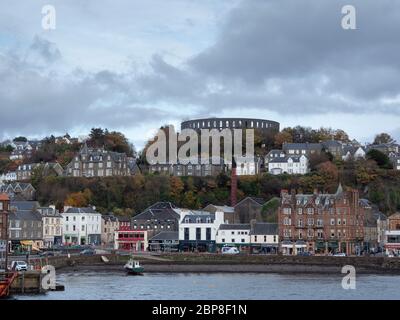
(133, 65)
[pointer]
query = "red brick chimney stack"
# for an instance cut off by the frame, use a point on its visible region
(233, 184)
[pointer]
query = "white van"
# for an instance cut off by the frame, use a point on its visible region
(230, 250)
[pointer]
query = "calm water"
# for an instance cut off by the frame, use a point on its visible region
(106, 285)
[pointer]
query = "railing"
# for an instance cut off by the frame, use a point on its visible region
(6, 279)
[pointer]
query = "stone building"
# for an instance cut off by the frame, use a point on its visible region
(4, 209)
(392, 245)
(321, 223)
(25, 226)
(52, 226)
(249, 209)
(97, 162)
(26, 171)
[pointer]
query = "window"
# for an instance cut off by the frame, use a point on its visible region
(83, 228)
(287, 210)
(208, 234)
(265, 238)
(198, 233)
(300, 211)
(186, 234)
(255, 238)
(310, 210)
(233, 240)
(332, 222)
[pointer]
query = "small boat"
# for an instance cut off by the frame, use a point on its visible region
(133, 267)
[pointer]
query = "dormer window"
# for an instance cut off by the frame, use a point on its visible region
(187, 220)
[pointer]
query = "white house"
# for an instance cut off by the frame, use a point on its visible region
(198, 229)
(81, 226)
(264, 237)
(233, 235)
(8, 177)
(356, 153)
(289, 165)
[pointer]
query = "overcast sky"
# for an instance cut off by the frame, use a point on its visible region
(133, 65)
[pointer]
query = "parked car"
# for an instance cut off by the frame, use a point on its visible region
(305, 254)
(340, 254)
(19, 266)
(87, 252)
(230, 250)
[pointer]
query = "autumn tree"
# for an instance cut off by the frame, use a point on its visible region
(381, 159)
(383, 138)
(282, 137)
(79, 199)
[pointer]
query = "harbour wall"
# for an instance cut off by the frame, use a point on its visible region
(241, 263)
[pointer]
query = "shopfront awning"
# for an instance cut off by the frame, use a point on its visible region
(27, 242)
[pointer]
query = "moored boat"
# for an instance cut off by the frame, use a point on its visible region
(133, 267)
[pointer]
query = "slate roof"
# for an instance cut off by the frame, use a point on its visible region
(259, 201)
(81, 210)
(226, 209)
(263, 228)
(24, 205)
(26, 215)
(166, 235)
(49, 212)
(199, 217)
(157, 214)
(302, 146)
(162, 205)
(235, 226)
(295, 158)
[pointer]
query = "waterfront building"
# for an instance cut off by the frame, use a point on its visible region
(392, 245)
(52, 226)
(165, 241)
(128, 239)
(237, 235)
(81, 226)
(375, 227)
(4, 211)
(264, 237)
(97, 162)
(161, 216)
(198, 229)
(25, 226)
(321, 223)
(109, 225)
